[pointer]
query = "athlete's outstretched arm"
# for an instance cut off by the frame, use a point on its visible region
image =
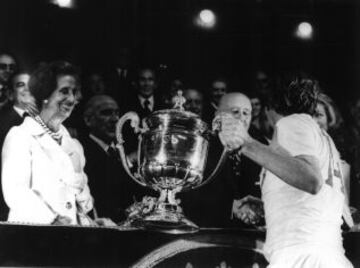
(301, 171)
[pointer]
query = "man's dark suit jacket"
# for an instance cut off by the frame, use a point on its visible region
(132, 103)
(211, 205)
(8, 118)
(111, 187)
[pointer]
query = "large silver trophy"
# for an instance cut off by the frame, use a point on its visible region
(172, 151)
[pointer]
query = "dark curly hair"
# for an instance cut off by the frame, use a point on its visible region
(43, 80)
(299, 96)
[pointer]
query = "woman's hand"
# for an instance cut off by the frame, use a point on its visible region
(61, 220)
(105, 222)
(248, 209)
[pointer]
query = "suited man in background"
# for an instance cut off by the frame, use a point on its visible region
(110, 186)
(8, 66)
(13, 115)
(21, 101)
(212, 204)
(145, 100)
(218, 88)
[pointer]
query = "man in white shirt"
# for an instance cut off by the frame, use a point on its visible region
(302, 188)
(145, 102)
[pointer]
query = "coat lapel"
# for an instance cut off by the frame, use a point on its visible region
(60, 160)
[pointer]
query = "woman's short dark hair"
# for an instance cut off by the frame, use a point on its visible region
(43, 80)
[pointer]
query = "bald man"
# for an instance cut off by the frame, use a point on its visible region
(211, 205)
(302, 186)
(110, 186)
(238, 105)
(246, 172)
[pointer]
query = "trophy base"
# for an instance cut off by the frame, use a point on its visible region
(166, 218)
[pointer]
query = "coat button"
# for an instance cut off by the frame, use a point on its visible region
(68, 205)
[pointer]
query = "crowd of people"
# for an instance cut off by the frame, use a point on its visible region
(291, 154)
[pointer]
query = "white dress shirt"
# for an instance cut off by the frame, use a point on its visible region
(19, 111)
(151, 102)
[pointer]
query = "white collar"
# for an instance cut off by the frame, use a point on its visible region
(214, 105)
(35, 129)
(100, 142)
(19, 110)
(150, 99)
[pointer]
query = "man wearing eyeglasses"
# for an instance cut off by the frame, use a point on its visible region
(111, 188)
(7, 69)
(302, 186)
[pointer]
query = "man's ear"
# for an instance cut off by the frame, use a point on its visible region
(10, 94)
(87, 120)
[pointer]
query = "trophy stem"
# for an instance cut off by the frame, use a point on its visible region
(167, 216)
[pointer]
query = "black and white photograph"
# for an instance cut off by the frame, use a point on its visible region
(180, 133)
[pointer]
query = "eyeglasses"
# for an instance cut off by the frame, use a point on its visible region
(109, 112)
(5, 66)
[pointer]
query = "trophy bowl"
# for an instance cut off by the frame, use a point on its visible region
(172, 151)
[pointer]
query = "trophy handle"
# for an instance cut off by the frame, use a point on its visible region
(216, 127)
(135, 124)
(216, 169)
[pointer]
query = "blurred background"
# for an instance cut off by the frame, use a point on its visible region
(236, 38)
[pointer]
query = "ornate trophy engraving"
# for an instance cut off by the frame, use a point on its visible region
(172, 151)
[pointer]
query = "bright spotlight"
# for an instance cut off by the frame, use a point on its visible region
(206, 18)
(64, 3)
(304, 31)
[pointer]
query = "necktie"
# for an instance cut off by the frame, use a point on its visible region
(147, 107)
(113, 153)
(235, 160)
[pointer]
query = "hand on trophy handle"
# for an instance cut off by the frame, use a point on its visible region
(216, 128)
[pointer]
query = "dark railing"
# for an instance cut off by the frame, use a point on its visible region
(35, 245)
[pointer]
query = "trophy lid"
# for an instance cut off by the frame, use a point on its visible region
(177, 119)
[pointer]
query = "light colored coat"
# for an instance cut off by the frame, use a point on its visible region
(38, 178)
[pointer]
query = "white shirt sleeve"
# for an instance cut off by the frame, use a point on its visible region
(84, 198)
(297, 135)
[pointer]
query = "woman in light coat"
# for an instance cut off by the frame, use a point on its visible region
(42, 172)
